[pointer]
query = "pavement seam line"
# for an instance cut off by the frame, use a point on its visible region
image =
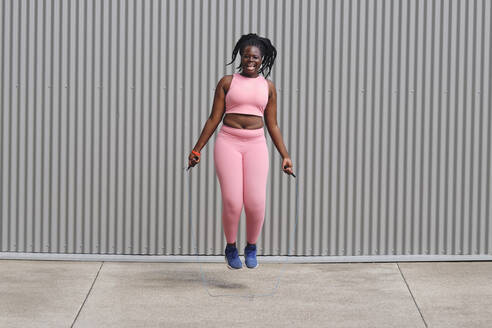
(411, 294)
(87, 296)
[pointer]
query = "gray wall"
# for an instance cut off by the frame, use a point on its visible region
(384, 107)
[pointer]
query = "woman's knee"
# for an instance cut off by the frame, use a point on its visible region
(254, 203)
(232, 205)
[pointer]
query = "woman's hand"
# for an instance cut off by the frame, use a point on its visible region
(193, 160)
(287, 165)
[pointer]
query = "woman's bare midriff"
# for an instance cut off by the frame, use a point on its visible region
(243, 121)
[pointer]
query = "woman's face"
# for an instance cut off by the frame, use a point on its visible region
(251, 61)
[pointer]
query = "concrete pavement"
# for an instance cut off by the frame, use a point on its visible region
(136, 294)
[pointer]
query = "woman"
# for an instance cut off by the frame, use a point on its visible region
(240, 152)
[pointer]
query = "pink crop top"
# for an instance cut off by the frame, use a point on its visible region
(247, 95)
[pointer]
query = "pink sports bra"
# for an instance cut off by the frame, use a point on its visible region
(247, 95)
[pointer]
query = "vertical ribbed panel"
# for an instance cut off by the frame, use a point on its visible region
(384, 106)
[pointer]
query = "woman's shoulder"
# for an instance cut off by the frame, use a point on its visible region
(271, 85)
(225, 80)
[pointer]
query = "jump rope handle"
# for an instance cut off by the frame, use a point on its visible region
(290, 173)
(197, 154)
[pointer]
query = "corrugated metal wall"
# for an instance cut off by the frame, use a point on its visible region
(384, 106)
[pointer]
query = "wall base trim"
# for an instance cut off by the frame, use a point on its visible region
(220, 259)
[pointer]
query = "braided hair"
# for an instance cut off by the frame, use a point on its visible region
(268, 51)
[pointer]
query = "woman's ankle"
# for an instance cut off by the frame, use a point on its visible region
(231, 245)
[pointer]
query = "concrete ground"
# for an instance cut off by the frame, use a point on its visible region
(135, 294)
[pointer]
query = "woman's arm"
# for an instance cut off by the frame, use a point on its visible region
(215, 117)
(274, 130)
(218, 109)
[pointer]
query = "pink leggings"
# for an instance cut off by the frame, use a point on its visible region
(241, 164)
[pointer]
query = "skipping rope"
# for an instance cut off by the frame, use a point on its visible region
(250, 296)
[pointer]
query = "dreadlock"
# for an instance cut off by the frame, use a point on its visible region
(268, 51)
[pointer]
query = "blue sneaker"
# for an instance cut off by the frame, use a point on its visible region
(250, 256)
(232, 258)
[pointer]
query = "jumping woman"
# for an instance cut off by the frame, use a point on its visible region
(240, 150)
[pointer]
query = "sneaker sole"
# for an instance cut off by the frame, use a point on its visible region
(227, 263)
(257, 264)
